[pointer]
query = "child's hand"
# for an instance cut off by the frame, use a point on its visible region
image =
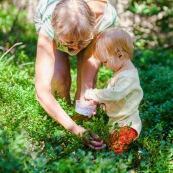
(90, 103)
(93, 141)
(103, 106)
(86, 108)
(95, 103)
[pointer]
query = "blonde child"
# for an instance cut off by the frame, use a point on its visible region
(114, 48)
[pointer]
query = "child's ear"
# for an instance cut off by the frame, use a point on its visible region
(120, 54)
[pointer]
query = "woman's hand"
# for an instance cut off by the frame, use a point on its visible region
(78, 130)
(93, 141)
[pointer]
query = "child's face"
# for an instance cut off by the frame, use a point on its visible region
(114, 63)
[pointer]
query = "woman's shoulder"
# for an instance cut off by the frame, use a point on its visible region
(43, 16)
(46, 6)
(107, 19)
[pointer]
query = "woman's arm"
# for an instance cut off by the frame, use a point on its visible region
(46, 50)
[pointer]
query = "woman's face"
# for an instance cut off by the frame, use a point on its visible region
(76, 44)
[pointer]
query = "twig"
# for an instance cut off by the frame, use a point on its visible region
(28, 63)
(9, 59)
(16, 44)
(3, 48)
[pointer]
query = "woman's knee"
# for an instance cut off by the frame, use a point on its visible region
(61, 80)
(61, 83)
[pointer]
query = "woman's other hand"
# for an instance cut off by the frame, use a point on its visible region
(93, 141)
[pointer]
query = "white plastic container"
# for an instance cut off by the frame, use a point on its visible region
(84, 108)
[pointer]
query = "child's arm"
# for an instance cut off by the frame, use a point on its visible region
(120, 90)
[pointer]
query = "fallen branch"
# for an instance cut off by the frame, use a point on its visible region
(16, 44)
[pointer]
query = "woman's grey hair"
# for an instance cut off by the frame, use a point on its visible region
(73, 18)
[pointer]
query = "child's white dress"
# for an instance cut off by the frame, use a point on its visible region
(122, 98)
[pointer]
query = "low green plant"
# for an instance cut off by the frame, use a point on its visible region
(31, 141)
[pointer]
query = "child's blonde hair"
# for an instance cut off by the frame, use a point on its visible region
(73, 19)
(112, 41)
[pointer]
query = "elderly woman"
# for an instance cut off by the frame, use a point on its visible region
(68, 27)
